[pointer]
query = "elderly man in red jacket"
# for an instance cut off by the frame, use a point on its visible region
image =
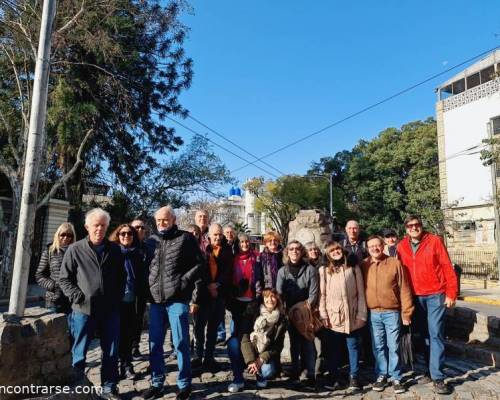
(434, 285)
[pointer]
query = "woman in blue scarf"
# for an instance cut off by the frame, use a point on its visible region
(126, 236)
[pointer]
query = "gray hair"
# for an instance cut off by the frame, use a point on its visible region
(242, 236)
(311, 245)
(97, 213)
(214, 226)
(168, 209)
(352, 221)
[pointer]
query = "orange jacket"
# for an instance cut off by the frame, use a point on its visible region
(430, 268)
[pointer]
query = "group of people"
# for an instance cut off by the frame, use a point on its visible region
(353, 291)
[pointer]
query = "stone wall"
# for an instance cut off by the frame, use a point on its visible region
(35, 350)
(311, 226)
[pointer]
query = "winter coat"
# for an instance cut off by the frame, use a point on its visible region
(176, 268)
(342, 298)
(304, 287)
(240, 286)
(430, 268)
(92, 284)
(355, 252)
(47, 277)
(223, 277)
(270, 263)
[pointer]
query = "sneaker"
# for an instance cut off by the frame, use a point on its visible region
(136, 354)
(183, 394)
(154, 392)
(220, 341)
(309, 384)
(196, 363)
(211, 365)
(129, 372)
(380, 385)
(441, 388)
(261, 383)
(398, 387)
(425, 380)
(235, 387)
(332, 385)
(354, 385)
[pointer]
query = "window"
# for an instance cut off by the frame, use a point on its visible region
(445, 92)
(495, 125)
(487, 74)
(473, 80)
(458, 86)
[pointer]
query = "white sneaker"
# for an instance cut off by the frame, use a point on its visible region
(262, 384)
(235, 387)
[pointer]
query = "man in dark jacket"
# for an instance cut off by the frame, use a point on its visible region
(176, 267)
(209, 299)
(147, 248)
(353, 245)
(93, 278)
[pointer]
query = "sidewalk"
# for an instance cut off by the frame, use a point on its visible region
(473, 291)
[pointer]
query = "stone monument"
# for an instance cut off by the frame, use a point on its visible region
(311, 226)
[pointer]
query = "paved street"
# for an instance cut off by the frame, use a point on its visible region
(471, 381)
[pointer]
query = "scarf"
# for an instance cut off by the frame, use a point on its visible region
(271, 265)
(243, 276)
(263, 326)
(129, 268)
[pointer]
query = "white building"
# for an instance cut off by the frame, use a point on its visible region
(468, 111)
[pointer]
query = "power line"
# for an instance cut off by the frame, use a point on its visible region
(222, 147)
(370, 107)
(235, 144)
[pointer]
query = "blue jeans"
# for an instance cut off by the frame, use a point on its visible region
(177, 314)
(267, 370)
(385, 327)
(83, 327)
(335, 340)
(430, 312)
(302, 351)
(209, 316)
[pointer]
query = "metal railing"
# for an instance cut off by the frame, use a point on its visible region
(476, 264)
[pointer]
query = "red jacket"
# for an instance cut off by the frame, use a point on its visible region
(430, 268)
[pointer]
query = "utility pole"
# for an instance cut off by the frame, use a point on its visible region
(36, 139)
(330, 180)
(494, 193)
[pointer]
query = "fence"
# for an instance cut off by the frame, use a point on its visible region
(476, 264)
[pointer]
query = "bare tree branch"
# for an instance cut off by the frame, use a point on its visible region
(9, 131)
(72, 21)
(70, 173)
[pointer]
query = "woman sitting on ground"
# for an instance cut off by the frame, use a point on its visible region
(264, 345)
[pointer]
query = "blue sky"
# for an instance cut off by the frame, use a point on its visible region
(269, 72)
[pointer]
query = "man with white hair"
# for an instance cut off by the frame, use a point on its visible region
(354, 247)
(176, 267)
(93, 278)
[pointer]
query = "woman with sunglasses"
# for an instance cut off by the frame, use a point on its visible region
(126, 237)
(47, 273)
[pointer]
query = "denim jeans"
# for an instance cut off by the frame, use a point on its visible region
(267, 370)
(385, 328)
(430, 312)
(335, 340)
(221, 331)
(83, 327)
(209, 316)
(302, 352)
(160, 315)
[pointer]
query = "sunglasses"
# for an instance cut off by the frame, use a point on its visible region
(64, 235)
(139, 228)
(417, 225)
(127, 233)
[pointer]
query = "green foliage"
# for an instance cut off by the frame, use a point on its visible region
(241, 228)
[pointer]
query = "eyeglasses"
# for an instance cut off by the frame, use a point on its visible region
(417, 225)
(126, 233)
(294, 249)
(64, 235)
(139, 227)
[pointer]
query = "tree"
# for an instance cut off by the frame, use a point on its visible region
(117, 69)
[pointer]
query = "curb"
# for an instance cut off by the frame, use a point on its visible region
(481, 300)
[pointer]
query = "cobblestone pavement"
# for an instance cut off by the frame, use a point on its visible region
(470, 380)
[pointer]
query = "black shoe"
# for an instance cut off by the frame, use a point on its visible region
(136, 354)
(196, 363)
(211, 365)
(309, 384)
(398, 387)
(129, 372)
(441, 388)
(113, 395)
(183, 394)
(220, 341)
(380, 385)
(354, 385)
(154, 392)
(332, 385)
(425, 380)
(172, 356)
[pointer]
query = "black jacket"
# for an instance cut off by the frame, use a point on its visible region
(47, 276)
(176, 267)
(223, 278)
(92, 285)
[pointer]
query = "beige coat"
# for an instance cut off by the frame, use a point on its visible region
(342, 299)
